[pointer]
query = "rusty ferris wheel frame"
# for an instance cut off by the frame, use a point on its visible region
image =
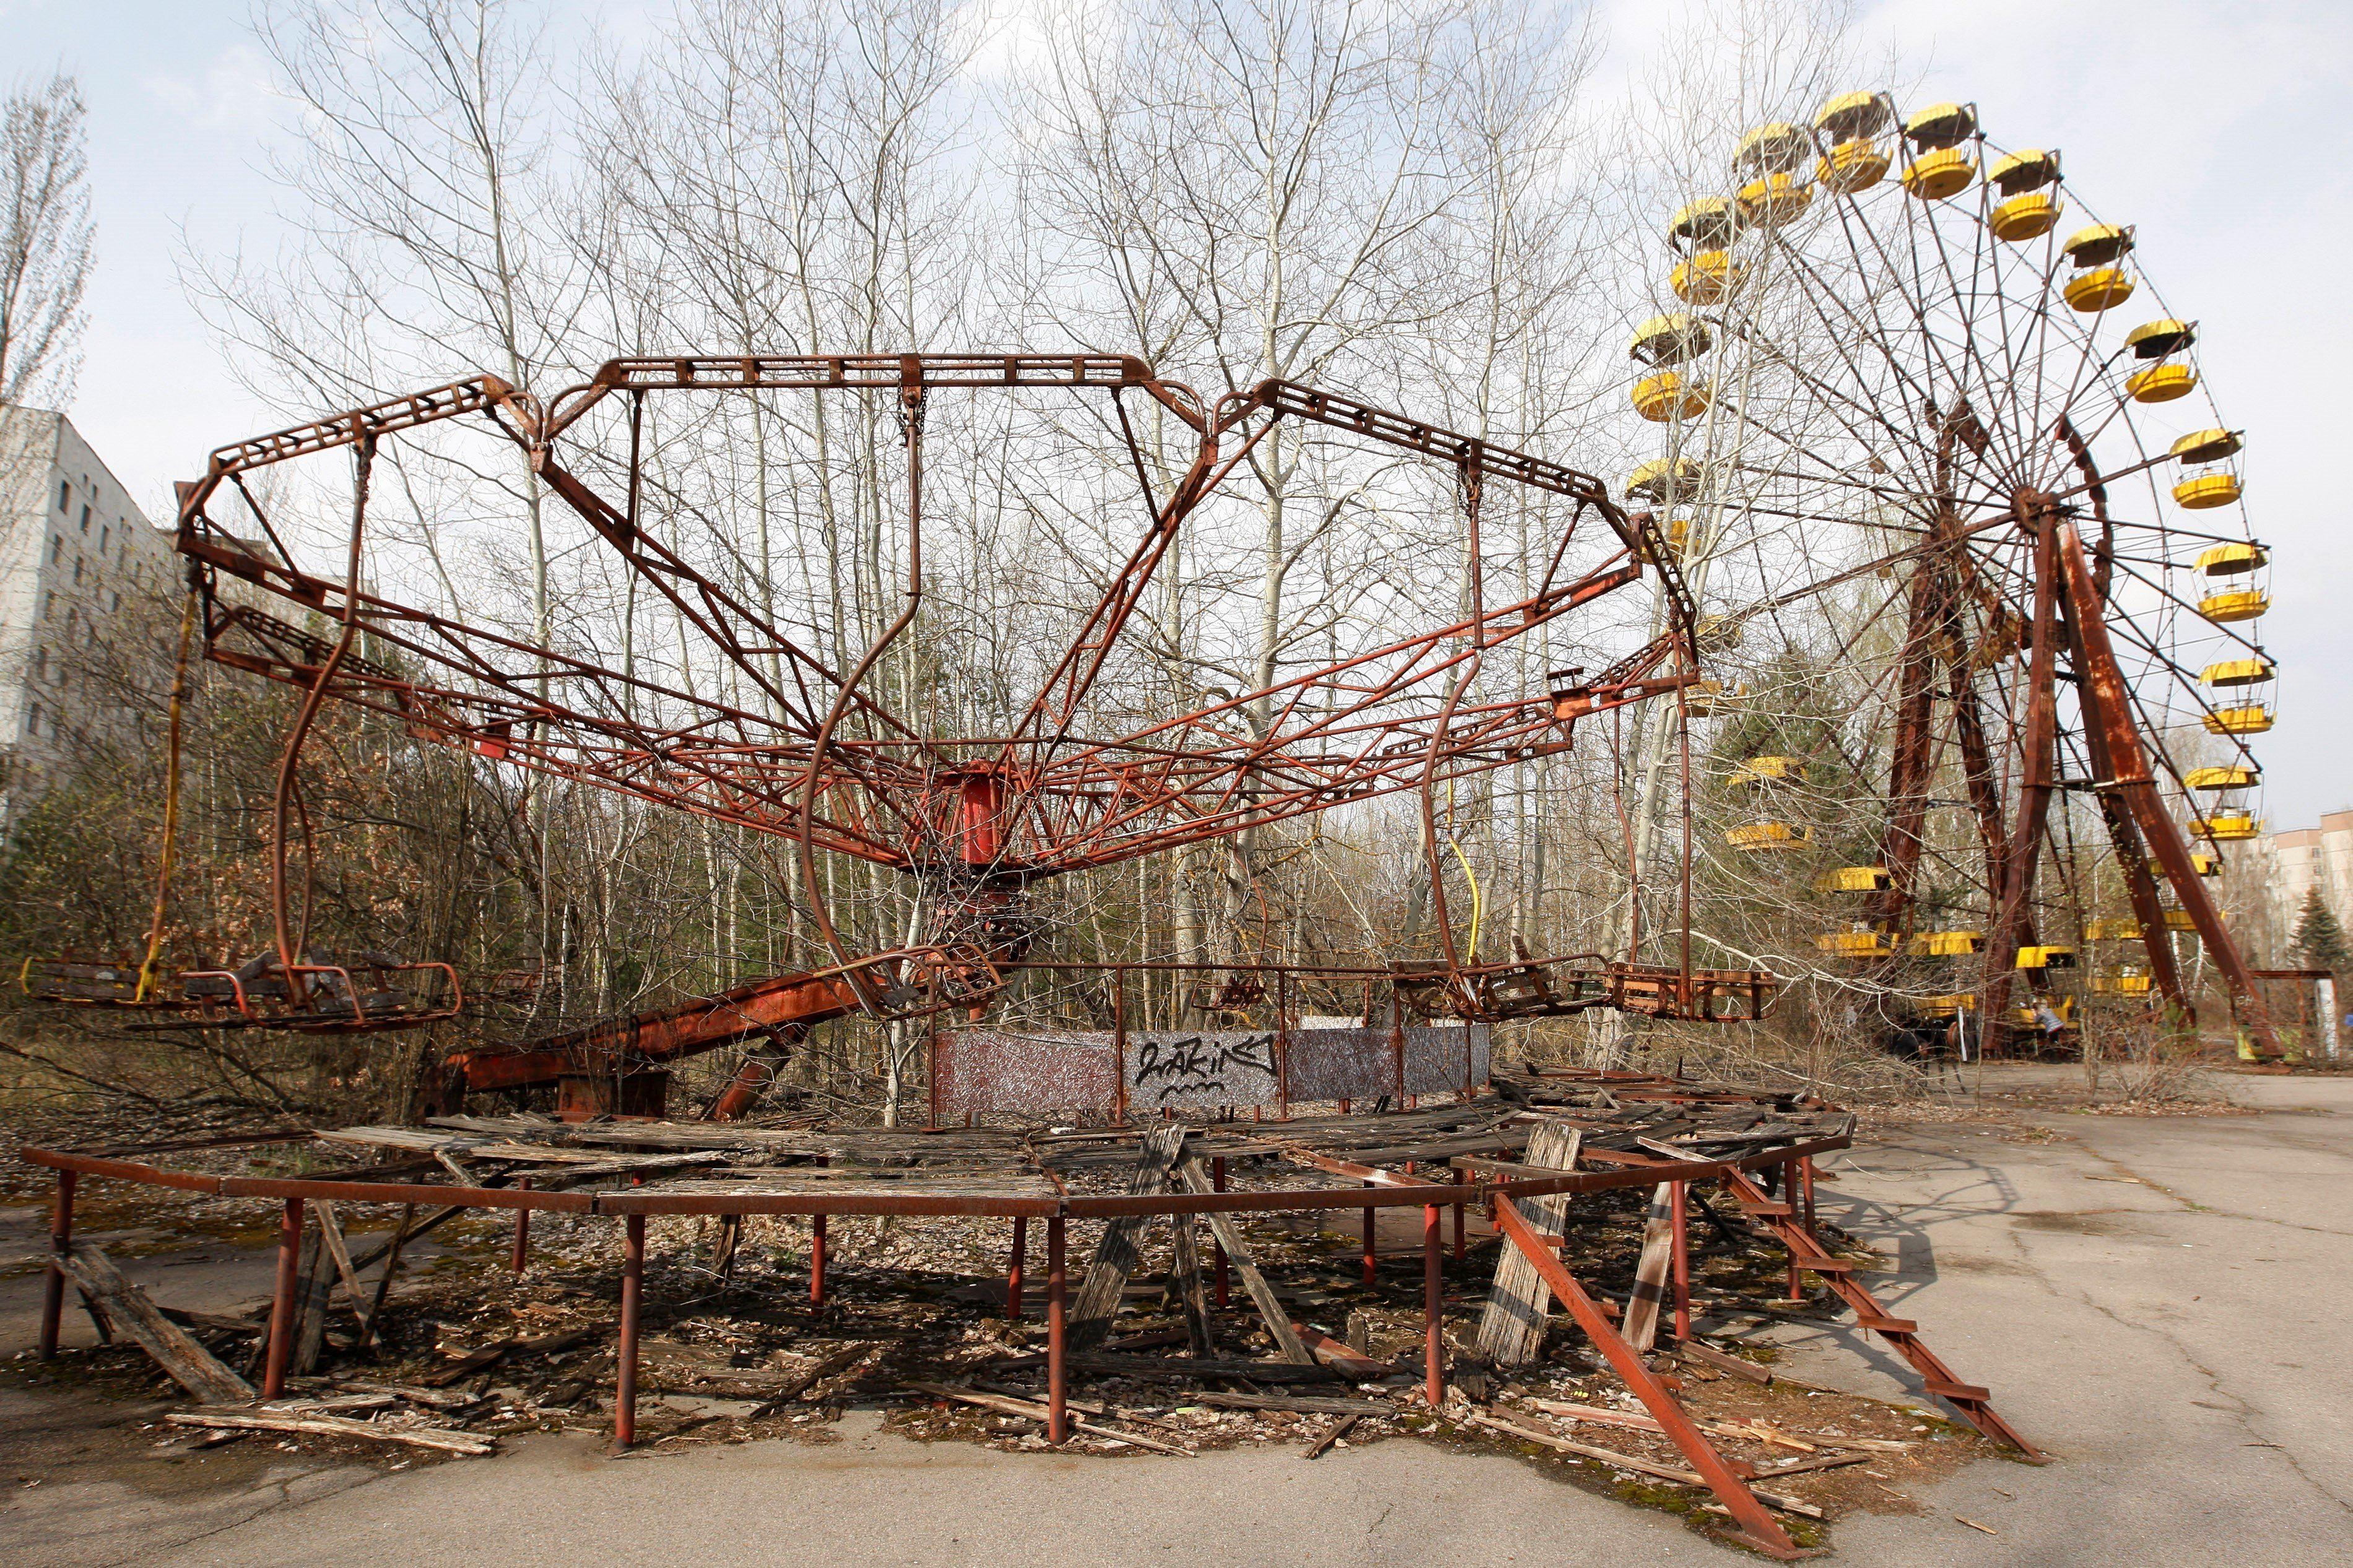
(981, 815)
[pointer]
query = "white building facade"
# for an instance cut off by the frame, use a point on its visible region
(76, 552)
(2290, 865)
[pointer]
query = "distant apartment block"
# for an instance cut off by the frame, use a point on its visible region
(75, 550)
(2292, 863)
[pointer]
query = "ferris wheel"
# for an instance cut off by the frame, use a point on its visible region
(1976, 573)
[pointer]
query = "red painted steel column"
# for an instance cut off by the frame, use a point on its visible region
(53, 1288)
(1218, 1184)
(1057, 1420)
(1788, 1194)
(633, 1284)
(523, 1230)
(281, 1301)
(1370, 1259)
(1013, 1275)
(817, 1260)
(1461, 1251)
(1806, 1174)
(1677, 1200)
(1433, 1311)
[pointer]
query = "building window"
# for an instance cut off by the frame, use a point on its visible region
(103, 532)
(48, 603)
(33, 720)
(41, 664)
(77, 568)
(65, 495)
(85, 519)
(113, 601)
(57, 549)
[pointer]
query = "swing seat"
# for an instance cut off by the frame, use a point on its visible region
(1497, 992)
(1715, 996)
(1237, 994)
(83, 983)
(370, 995)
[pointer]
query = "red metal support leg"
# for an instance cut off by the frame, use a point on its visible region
(1433, 1313)
(1224, 1272)
(1759, 1527)
(1806, 1177)
(1058, 1419)
(1678, 1201)
(1788, 1196)
(633, 1283)
(1370, 1259)
(53, 1288)
(522, 1231)
(282, 1300)
(1013, 1274)
(1461, 1249)
(817, 1260)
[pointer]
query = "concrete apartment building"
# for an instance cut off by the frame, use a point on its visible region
(75, 550)
(2294, 863)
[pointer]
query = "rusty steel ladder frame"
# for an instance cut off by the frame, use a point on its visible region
(1809, 1256)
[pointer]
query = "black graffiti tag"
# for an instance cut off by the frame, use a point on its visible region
(1183, 1066)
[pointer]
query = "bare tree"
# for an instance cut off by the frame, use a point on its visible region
(47, 240)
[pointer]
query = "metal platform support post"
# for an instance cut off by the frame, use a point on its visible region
(1058, 1419)
(282, 1300)
(633, 1284)
(1433, 1313)
(1013, 1273)
(53, 1288)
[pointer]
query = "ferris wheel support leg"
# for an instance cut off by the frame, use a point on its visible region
(2107, 706)
(2013, 902)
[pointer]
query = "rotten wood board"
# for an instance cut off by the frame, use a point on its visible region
(1194, 1176)
(1640, 1321)
(1007, 1404)
(1511, 1326)
(191, 1366)
(1117, 1253)
(1638, 1466)
(446, 1439)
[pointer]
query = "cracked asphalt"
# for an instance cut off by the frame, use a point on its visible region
(2157, 1301)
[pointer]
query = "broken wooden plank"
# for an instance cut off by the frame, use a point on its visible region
(1709, 1355)
(1814, 1462)
(1340, 1357)
(1195, 1177)
(400, 1235)
(1340, 1430)
(1165, 1367)
(1511, 1329)
(1115, 1255)
(1640, 1322)
(432, 1399)
(1638, 1466)
(446, 1439)
(489, 1356)
(801, 1383)
(1007, 1404)
(191, 1366)
(1190, 1290)
(314, 1281)
(1310, 1403)
(332, 1232)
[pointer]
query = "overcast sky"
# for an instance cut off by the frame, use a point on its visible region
(2223, 129)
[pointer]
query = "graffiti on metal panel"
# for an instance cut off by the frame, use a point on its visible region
(1172, 1067)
